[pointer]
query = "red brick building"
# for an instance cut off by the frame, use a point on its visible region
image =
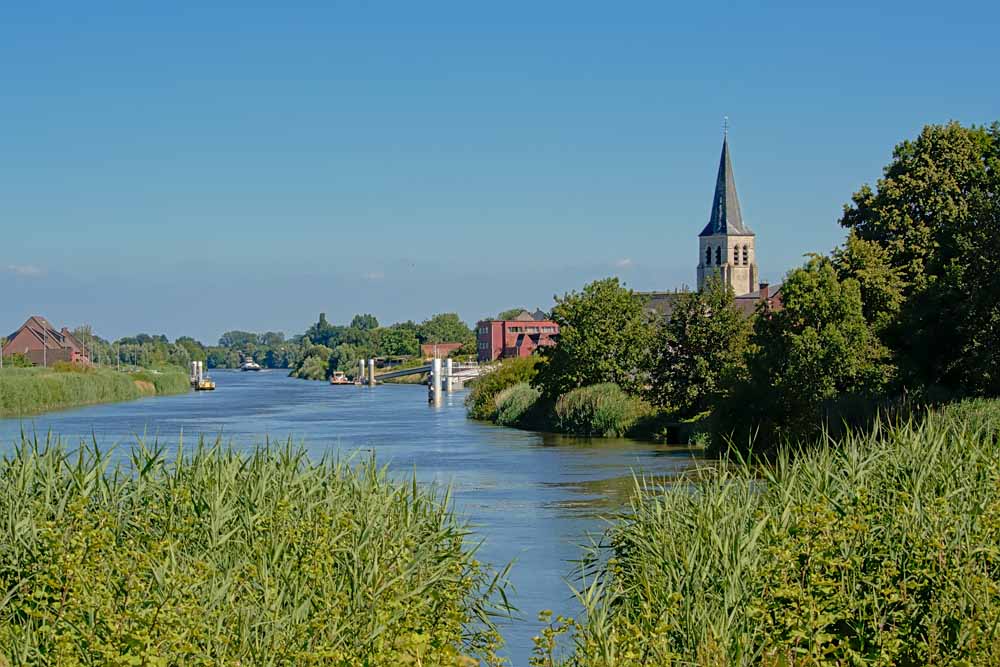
(438, 350)
(42, 344)
(520, 337)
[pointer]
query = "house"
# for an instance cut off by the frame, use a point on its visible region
(520, 337)
(43, 345)
(438, 350)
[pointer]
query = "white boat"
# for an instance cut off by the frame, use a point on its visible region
(249, 365)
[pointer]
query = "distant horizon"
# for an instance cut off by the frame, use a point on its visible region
(188, 170)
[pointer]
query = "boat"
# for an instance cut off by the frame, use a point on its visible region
(339, 377)
(249, 365)
(204, 384)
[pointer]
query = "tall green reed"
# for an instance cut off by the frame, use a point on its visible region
(880, 549)
(210, 556)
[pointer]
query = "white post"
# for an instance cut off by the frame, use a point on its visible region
(436, 380)
(449, 376)
(371, 372)
(361, 372)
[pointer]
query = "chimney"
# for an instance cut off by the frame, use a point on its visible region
(764, 291)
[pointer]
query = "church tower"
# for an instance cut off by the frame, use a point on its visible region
(726, 245)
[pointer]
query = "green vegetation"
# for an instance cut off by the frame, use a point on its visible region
(26, 391)
(513, 404)
(905, 313)
(340, 348)
(213, 557)
(600, 409)
(879, 550)
(481, 401)
(605, 335)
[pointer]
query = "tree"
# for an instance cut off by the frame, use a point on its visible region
(923, 198)
(445, 328)
(699, 351)
(238, 339)
(605, 335)
(510, 314)
(803, 359)
(396, 341)
(365, 322)
(324, 333)
(934, 216)
(881, 284)
(196, 351)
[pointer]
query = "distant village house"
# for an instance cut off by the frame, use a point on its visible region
(44, 345)
(520, 337)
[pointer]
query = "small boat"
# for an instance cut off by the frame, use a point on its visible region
(249, 365)
(204, 384)
(339, 377)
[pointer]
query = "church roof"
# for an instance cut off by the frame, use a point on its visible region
(726, 217)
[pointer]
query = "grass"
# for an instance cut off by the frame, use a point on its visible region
(209, 556)
(25, 391)
(481, 401)
(601, 409)
(882, 549)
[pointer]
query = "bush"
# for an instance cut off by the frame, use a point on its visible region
(481, 401)
(879, 550)
(213, 557)
(513, 404)
(601, 409)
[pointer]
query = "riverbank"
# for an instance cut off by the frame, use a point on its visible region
(226, 558)
(506, 397)
(30, 391)
(880, 549)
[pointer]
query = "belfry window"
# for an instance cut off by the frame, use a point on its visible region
(718, 254)
(746, 255)
(708, 256)
(736, 254)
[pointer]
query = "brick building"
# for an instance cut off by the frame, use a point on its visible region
(42, 344)
(520, 337)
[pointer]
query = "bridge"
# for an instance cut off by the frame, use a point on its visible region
(447, 376)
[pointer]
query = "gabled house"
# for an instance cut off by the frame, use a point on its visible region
(519, 337)
(43, 344)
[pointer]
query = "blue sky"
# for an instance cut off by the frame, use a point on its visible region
(188, 168)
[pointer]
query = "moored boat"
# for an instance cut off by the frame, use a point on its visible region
(339, 377)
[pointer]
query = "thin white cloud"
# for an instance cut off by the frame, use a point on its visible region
(374, 275)
(25, 270)
(624, 263)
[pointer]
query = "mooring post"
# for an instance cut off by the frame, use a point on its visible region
(449, 376)
(436, 381)
(371, 372)
(361, 372)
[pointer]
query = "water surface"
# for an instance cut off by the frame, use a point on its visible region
(534, 498)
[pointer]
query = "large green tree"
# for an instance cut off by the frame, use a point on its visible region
(605, 335)
(933, 216)
(445, 328)
(805, 360)
(698, 351)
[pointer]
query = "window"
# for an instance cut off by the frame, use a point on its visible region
(736, 254)
(746, 255)
(708, 256)
(718, 254)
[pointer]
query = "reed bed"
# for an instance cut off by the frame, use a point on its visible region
(213, 557)
(27, 391)
(881, 549)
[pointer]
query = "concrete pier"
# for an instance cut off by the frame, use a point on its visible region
(449, 376)
(371, 372)
(361, 372)
(436, 381)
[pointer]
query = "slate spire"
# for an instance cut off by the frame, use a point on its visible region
(726, 217)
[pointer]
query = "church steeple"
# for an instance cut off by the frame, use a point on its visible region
(726, 247)
(726, 217)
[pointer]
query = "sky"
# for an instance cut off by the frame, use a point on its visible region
(190, 168)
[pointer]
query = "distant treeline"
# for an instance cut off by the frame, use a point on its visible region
(316, 352)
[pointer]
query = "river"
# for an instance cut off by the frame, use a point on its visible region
(534, 498)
